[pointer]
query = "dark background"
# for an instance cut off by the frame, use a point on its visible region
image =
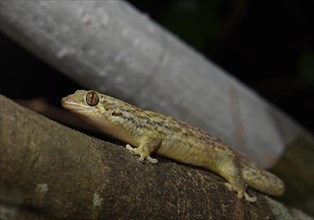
(268, 45)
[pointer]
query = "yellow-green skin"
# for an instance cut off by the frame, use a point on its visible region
(150, 132)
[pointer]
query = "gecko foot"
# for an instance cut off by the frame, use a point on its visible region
(143, 155)
(241, 193)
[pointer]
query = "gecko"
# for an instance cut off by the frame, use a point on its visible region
(147, 132)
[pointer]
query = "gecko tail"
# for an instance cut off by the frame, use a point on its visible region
(261, 180)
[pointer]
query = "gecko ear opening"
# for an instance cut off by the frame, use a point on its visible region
(92, 98)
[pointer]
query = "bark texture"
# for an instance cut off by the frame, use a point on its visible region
(49, 171)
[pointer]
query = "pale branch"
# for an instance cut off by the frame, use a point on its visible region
(111, 47)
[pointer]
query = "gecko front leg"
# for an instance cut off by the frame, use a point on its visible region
(149, 144)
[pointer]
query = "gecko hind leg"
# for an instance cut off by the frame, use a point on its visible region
(148, 145)
(235, 182)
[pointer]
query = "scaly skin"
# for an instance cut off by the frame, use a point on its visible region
(150, 132)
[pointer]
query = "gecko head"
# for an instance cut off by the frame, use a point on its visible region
(81, 102)
(93, 106)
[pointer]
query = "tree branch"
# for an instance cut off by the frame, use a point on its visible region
(51, 171)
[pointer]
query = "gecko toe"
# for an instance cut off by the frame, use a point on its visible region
(130, 149)
(250, 198)
(152, 160)
(240, 193)
(141, 158)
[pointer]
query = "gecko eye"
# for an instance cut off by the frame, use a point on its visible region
(92, 98)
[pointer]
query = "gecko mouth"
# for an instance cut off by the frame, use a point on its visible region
(73, 107)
